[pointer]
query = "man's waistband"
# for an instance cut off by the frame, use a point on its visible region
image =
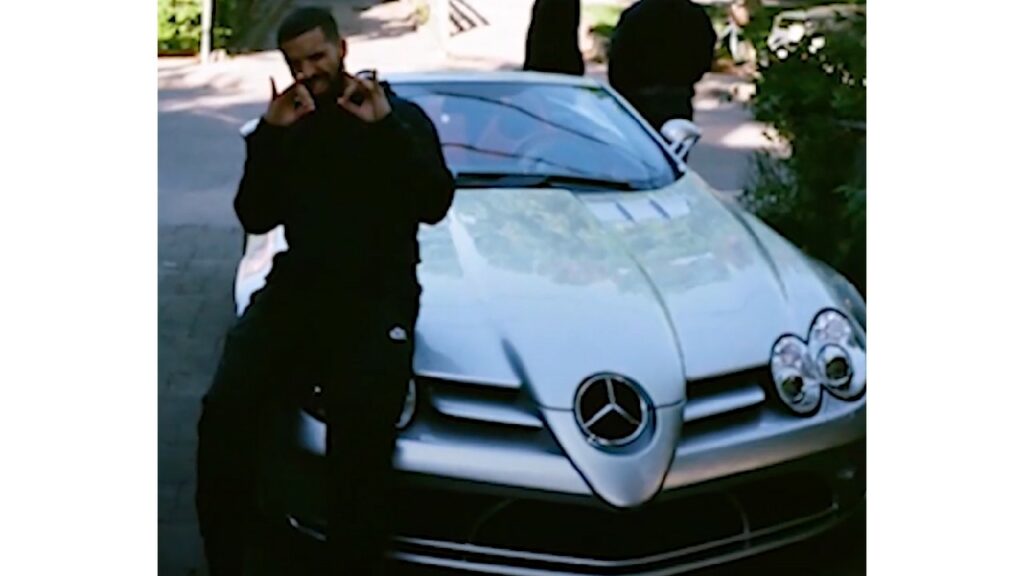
(341, 273)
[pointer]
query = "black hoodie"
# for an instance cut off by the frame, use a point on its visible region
(350, 194)
(659, 51)
(552, 42)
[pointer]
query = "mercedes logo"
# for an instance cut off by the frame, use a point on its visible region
(610, 410)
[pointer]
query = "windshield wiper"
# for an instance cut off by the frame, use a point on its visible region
(512, 180)
(511, 155)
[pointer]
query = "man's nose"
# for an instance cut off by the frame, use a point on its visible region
(308, 70)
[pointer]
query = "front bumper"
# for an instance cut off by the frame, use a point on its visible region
(485, 530)
(507, 501)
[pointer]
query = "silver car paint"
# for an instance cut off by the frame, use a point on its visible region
(542, 288)
(641, 283)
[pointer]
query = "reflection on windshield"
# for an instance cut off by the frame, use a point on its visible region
(528, 128)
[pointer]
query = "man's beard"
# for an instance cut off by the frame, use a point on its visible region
(335, 86)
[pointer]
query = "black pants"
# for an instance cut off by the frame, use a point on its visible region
(363, 347)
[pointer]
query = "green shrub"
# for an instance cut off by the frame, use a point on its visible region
(816, 196)
(179, 24)
(602, 17)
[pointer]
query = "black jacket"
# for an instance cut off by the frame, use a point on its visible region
(552, 41)
(350, 194)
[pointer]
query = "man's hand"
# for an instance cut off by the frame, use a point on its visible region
(372, 104)
(287, 107)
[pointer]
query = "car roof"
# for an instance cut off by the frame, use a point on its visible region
(496, 77)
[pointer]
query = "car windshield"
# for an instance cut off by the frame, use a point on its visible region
(515, 134)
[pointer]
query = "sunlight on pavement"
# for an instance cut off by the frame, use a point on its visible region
(748, 136)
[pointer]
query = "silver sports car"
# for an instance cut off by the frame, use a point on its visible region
(618, 370)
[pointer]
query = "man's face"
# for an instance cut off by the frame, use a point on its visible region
(316, 61)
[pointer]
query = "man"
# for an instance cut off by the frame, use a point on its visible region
(552, 41)
(350, 170)
(659, 51)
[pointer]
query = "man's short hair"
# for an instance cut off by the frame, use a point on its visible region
(302, 20)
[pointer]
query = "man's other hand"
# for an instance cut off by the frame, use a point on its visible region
(288, 106)
(364, 98)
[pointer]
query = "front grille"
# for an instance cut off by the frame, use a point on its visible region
(481, 403)
(780, 500)
(664, 525)
(707, 398)
(605, 534)
(729, 394)
(471, 525)
(443, 515)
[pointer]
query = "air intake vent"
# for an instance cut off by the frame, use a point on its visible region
(481, 403)
(710, 397)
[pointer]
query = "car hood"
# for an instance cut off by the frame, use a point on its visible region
(539, 289)
(542, 288)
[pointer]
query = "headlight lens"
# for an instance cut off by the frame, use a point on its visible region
(795, 385)
(839, 352)
(831, 327)
(834, 364)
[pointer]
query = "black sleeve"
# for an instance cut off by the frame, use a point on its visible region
(409, 142)
(624, 57)
(709, 39)
(698, 44)
(259, 202)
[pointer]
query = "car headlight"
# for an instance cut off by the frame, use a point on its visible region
(833, 357)
(838, 349)
(315, 406)
(796, 386)
(831, 327)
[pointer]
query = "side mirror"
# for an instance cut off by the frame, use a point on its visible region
(681, 136)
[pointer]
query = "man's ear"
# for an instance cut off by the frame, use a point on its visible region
(342, 49)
